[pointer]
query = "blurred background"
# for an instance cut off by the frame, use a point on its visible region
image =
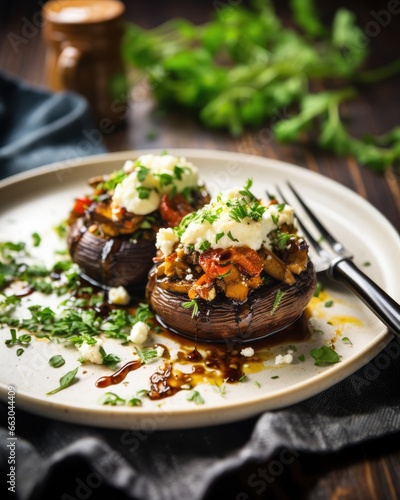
(375, 110)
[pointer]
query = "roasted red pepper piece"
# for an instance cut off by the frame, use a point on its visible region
(217, 262)
(81, 204)
(247, 260)
(174, 209)
(212, 263)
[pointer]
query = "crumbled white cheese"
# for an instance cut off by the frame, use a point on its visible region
(248, 352)
(166, 239)
(127, 195)
(165, 164)
(128, 167)
(159, 351)
(118, 296)
(139, 332)
(159, 174)
(215, 224)
(284, 359)
(91, 352)
(173, 354)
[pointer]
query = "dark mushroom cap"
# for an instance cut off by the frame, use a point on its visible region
(225, 320)
(111, 262)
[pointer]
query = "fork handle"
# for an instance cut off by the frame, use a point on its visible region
(387, 310)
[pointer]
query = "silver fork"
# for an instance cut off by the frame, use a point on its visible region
(338, 265)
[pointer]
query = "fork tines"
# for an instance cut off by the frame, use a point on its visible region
(325, 235)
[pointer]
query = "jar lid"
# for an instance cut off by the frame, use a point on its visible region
(82, 11)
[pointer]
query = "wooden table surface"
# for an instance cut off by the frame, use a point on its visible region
(368, 471)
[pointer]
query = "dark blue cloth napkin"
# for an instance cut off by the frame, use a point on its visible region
(38, 127)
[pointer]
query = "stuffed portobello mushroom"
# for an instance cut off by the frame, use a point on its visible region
(234, 270)
(112, 231)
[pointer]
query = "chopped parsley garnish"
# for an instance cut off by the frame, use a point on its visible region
(219, 236)
(145, 225)
(238, 211)
(241, 209)
(325, 356)
(318, 289)
(78, 325)
(220, 388)
(141, 172)
(61, 229)
(281, 239)
(209, 216)
(147, 354)
(9, 300)
(346, 340)
(110, 360)
(188, 193)
(191, 304)
(246, 191)
(113, 180)
(21, 340)
(178, 172)
(277, 301)
(56, 361)
(275, 219)
(179, 230)
(9, 246)
(196, 397)
(301, 358)
(143, 192)
(246, 207)
(36, 239)
(143, 313)
(205, 246)
(231, 237)
(165, 179)
(112, 399)
(134, 402)
(328, 303)
(65, 381)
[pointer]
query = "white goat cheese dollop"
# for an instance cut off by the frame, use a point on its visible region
(230, 219)
(151, 176)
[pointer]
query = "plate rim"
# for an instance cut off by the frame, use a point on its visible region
(119, 417)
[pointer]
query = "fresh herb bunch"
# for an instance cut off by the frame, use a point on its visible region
(244, 67)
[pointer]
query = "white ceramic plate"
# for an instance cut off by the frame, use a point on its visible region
(38, 200)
